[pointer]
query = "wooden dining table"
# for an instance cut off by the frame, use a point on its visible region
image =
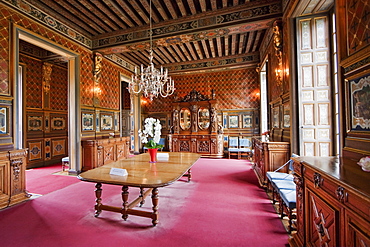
(147, 176)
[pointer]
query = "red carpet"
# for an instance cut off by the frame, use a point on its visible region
(222, 206)
(42, 181)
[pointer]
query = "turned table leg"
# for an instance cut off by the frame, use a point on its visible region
(98, 191)
(189, 175)
(125, 202)
(142, 197)
(155, 206)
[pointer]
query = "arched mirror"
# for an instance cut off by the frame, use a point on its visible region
(185, 120)
(203, 118)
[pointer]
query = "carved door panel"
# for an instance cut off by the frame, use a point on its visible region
(109, 154)
(121, 151)
(4, 183)
(355, 231)
(322, 223)
(203, 145)
(184, 145)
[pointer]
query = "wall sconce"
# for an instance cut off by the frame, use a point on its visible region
(143, 101)
(97, 91)
(279, 74)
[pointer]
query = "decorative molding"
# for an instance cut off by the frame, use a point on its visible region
(251, 59)
(50, 21)
(254, 12)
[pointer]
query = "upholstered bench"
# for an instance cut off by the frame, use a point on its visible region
(288, 202)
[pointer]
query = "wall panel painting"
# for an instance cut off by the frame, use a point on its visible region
(106, 121)
(87, 121)
(58, 123)
(3, 120)
(34, 123)
(360, 103)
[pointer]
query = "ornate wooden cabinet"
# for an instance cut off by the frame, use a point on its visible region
(100, 152)
(268, 156)
(333, 203)
(195, 126)
(12, 177)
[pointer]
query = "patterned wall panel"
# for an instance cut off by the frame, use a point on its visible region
(4, 51)
(58, 147)
(109, 83)
(35, 150)
(234, 89)
(33, 81)
(358, 22)
(59, 89)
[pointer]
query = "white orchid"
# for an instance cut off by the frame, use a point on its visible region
(152, 128)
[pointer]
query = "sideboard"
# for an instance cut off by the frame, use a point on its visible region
(268, 156)
(195, 126)
(333, 202)
(12, 177)
(100, 152)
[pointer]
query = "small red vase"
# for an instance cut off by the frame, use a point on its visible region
(153, 154)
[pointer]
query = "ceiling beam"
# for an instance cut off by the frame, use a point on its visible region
(182, 8)
(126, 8)
(113, 21)
(160, 9)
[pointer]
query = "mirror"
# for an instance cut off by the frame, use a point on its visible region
(203, 118)
(185, 120)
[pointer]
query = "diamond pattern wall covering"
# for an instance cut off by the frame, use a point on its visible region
(109, 97)
(33, 81)
(59, 89)
(109, 84)
(234, 89)
(4, 51)
(358, 22)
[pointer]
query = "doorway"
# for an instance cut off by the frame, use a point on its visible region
(74, 149)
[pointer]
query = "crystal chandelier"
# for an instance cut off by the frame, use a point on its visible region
(150, 81)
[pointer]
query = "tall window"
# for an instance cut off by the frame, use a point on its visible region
(336, 129)
(264, 98)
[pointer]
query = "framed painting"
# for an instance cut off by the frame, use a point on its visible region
(247, 121)
(106, 121)
(286, 116)
(34, 123)
(233, 121)
(87, 121)
(58, 123)
(3, 120)
(360, 103)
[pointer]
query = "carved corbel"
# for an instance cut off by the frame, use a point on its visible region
(46, 76)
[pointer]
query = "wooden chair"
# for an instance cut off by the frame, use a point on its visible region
(233, 147)
(245, 147)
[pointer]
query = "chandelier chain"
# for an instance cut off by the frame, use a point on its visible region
(150, 81)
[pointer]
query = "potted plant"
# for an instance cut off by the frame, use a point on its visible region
(151, 136)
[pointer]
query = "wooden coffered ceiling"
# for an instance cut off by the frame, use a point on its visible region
(187, 34)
